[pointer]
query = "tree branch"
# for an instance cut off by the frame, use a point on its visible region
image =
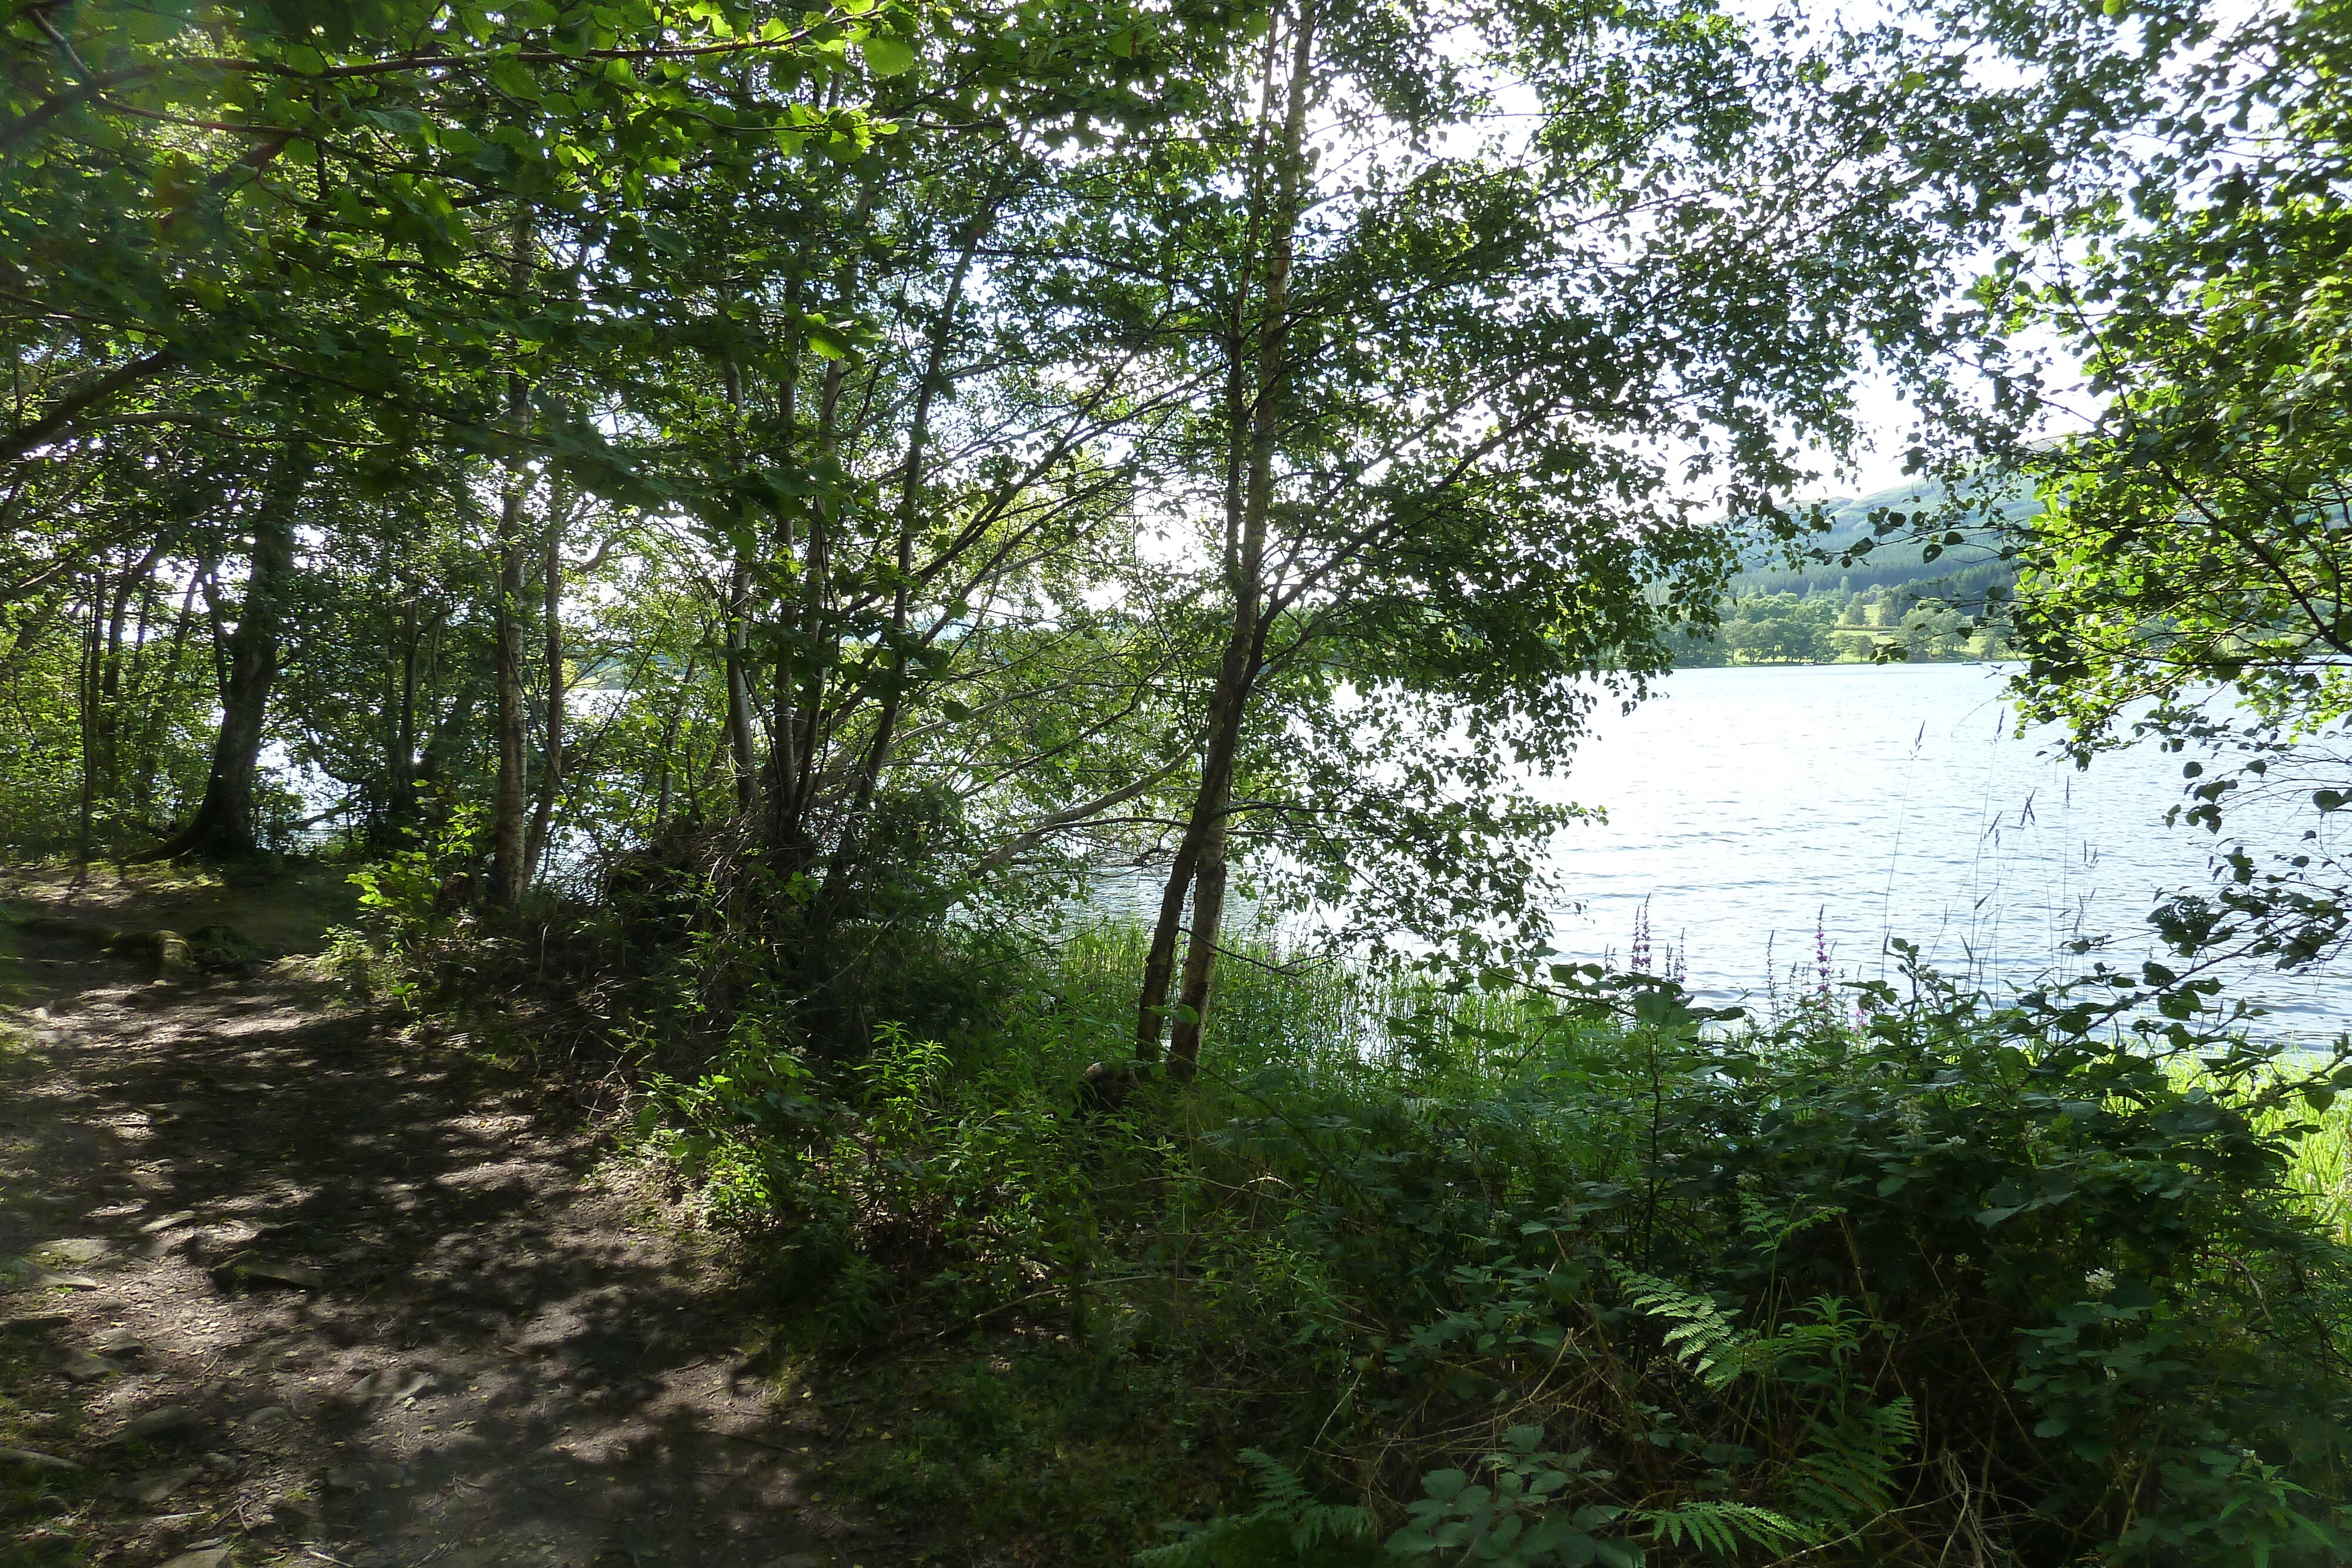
(61, 413)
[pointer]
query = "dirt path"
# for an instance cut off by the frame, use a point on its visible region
(314, 1298)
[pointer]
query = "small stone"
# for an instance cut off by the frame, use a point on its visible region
(38, 1461)
(79, 1251)
(42, 1277)
(258, 1270)
(118, 1341)
(37, 1322)
(210, 1557)
(83, 1367)
(391, 1383)
(168, 1222)
(151, 1486)
(162, 1419)
(269, 1415)
(364, 1477)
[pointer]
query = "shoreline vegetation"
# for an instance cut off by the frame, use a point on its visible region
(1873, 626)
(1418, 1267)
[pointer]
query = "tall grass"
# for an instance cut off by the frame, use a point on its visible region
(1296, 1007)
(2319, 1168)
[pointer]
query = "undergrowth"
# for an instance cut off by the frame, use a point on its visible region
(40, 1503)
(1517, 1270)
(1568, 1273)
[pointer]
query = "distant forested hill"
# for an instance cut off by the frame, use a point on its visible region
(1960, 577)
(1891, 605)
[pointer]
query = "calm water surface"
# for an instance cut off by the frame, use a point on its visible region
(1744, 804)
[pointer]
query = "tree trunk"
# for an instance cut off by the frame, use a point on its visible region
(742, 748)
(107, 718)
(1160, 960)
(817, 592)
(86, 699)
(669, 739)
(741, 713)
(400, 738)
(223, 827)
(551, 772)
(159, 707)
(129, 682)
(1206, 835)
(787, 847)
(1200, 860)
(911, 497)
(509, 844)
(817, 634)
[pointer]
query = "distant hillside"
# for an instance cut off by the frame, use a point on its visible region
(1961, 575)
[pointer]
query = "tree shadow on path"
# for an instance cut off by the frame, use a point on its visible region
(357, 1304)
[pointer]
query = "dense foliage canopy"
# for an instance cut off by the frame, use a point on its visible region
(904, 452)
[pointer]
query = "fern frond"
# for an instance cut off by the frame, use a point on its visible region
(1709, 1343)
(1848, 1477)
(1331, 1521)
(1279, 1485)
(1720, 1529)
(1286, 1511)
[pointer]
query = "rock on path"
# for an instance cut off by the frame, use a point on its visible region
(292, 1294)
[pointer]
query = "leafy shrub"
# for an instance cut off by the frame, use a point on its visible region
(1534, 1281)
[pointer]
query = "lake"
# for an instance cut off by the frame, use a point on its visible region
(1743, 804)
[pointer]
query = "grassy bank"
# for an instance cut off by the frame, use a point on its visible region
(1518, 1278)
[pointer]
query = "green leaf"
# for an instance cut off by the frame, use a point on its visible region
(514, 79)
(886, 56)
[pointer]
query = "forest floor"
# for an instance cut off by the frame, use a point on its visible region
(280, 1285)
